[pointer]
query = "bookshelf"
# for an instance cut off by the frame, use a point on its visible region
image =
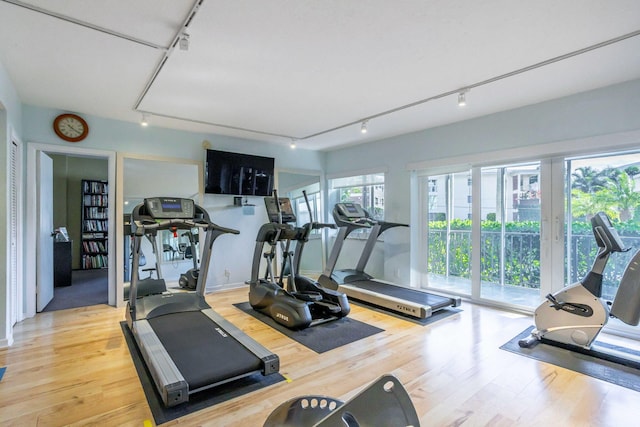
(95, 211)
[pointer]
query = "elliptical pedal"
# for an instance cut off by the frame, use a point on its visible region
(308, 296)
(329, 307)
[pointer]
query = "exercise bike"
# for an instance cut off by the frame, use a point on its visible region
(573, 317)
(302, 302)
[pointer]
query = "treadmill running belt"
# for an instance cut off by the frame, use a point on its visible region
(204, 353)
(436, 302)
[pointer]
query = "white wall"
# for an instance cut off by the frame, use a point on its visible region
(10, 124)
(602, 111)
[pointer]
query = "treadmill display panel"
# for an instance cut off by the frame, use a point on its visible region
(351, 210)
(170, 208)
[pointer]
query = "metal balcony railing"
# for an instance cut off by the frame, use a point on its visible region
(515, 260)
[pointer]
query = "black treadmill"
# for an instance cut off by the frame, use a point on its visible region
(186, 345)
(361, 286)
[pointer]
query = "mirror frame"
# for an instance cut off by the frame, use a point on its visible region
(121, 158)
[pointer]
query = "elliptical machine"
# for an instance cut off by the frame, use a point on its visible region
(302, 302)
(573, 317)
(189, 279)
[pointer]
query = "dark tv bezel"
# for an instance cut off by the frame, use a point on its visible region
(251, 161)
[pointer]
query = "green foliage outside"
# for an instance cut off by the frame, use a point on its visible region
(610, 190)
(521, 250)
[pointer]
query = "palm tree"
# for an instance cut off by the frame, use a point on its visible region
(588, 179)
(621, 193)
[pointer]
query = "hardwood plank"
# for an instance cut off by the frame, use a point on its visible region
(72, 367)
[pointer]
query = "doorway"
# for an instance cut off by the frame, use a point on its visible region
(70, 158)
(80, 207)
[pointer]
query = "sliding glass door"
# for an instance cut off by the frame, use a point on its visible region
(609, 184)
(508, 253)
(510, 234)
(449, 231)
(513, 233)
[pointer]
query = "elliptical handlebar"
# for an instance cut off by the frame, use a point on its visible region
(315, 225)
(306, 200)
(318, 225)
(279, 210)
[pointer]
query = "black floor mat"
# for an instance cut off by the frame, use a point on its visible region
(197, 401)
(614, 373)
(322, 337)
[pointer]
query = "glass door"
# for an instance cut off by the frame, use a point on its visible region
(449, 222)
(609, 184)
(510, 234)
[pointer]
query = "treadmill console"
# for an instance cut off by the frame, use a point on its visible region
(351, 210)
(285, 208)
(170, 208)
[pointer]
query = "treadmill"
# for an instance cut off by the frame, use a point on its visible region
(358, 285)
(185, 344)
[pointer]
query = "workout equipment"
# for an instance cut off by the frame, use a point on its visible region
(147, 285)
(303, 302)
(185, 344)
(574, 316)
(189, 279)
(383, 403)
(358, 285)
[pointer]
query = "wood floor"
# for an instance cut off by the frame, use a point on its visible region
(72, 367)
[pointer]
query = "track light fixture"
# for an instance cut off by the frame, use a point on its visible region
(363, 128)
(293, 144)
(145, 120)
(184, 41)
(462, 98)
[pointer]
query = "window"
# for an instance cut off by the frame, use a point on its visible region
(449, 232)
(366, 190)
(510, 234)
(609, 184)
(529, 230)
(507, 252)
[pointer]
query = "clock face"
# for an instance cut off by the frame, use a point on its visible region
(70, 127)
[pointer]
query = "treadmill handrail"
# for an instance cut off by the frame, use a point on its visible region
(144, 223)
(385, 225)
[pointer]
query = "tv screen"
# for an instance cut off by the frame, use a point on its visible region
(238, 174)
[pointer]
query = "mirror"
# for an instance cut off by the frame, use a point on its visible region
(291, 183)
(140, 177)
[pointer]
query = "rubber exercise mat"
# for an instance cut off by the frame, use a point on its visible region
(197, 401)
(614, 373)
(322, 337)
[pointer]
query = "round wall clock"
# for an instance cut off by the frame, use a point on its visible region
(71, 127)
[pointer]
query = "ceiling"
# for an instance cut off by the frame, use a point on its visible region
(311, 71)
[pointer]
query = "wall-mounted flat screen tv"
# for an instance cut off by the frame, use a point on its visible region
(238, 174)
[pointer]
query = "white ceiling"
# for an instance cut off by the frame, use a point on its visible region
(281, 69)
